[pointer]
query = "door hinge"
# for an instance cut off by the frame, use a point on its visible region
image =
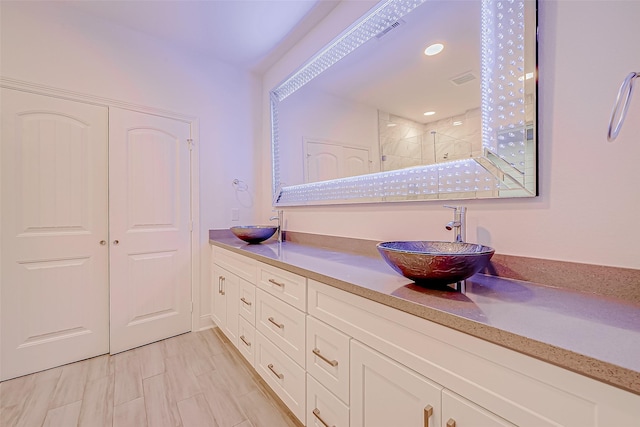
(190, 142)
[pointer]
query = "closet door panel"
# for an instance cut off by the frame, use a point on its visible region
(54, 281)
(150, 238)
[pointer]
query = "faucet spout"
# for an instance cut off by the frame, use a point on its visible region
(279, 218)
(452, 224)
(458, 224)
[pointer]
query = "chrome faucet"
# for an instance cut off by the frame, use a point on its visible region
(279, 218)
(458, 224)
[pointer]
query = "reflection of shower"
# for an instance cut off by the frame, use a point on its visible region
(455, 149)
(435, 156)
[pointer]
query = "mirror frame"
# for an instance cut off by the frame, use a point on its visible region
(504, 103)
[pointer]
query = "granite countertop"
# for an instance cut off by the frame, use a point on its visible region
(595, 336)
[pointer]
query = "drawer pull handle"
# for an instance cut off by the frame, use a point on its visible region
(451, 423)
(245, 301)
(316, 413)
(275, 282)
(316, 351)
(244, 340)
(276, 373)
(279, 325)
(428, 411)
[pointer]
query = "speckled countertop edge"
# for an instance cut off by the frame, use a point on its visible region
(272, 253)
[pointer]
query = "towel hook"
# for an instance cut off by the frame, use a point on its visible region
(621, 106)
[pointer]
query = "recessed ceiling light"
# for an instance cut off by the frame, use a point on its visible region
(434, 49)
(457, 123)
(429, 113)
(391, 125)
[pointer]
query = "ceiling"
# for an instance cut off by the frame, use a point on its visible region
(246, 33)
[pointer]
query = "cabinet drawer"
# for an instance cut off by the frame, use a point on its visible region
(282, 374)
(323, 408)
(282, 284)
(247, 301)
(328, 357)
(282, 324)
(239, 265)
(246, 340)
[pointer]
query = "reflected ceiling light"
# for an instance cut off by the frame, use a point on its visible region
(527, 76)
(434, 49)
(429, 113)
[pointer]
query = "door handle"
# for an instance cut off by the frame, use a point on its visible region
(451, 423)
(103, 242)
(116, 242)
(428, 411)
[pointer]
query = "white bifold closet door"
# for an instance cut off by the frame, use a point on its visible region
(95, 231)
(149, 221)
(54, 287)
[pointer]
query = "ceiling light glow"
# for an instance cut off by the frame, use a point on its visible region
(434, 49)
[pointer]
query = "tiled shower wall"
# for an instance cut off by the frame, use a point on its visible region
(405, 143)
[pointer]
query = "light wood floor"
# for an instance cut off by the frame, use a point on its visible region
(195, 379)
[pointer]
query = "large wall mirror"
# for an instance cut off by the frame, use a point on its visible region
(417, 100)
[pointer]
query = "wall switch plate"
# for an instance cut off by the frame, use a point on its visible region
(235, 214)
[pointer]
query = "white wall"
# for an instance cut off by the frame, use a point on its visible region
(50, 44)
(589, 200)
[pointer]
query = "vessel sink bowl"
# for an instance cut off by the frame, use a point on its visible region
(435, 264)
(253, 233)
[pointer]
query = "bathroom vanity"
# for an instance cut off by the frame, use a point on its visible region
(345, 341)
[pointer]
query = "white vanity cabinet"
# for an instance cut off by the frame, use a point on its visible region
(233, 298)
(224, 295)
(386, 393)
(393, 354)
(280, 319)
(338, 359)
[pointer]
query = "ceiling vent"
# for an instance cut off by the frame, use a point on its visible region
(389, 28)
(463, 78)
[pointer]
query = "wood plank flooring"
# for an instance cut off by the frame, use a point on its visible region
(192, 380)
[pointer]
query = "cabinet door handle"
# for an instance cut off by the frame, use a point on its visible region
(103, 242)
(428, 411)
(276, 373)
(316, 413)
(275, 282)
(279, 325)
(223, 283)
(244, 340)
(316, 351)
(220, 282)
(245, 301)
(451, 423)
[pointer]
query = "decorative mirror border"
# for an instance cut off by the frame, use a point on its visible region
(503, 106)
